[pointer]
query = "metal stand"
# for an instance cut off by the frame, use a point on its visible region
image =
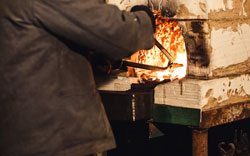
(200, 142)
(100, 154)
(200, 121)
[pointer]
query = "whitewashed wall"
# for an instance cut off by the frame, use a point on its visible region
(229, 47)
(204, 94)
(127, 4)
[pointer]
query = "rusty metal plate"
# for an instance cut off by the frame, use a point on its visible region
(225, 114)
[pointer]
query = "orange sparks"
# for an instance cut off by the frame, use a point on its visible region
(168, 33)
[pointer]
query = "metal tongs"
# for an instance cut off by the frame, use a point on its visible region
(150, 67)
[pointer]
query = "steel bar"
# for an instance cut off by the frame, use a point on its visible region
(164, 51)
(143, 66)
(149, 67)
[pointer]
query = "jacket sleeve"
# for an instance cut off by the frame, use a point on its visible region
(95, 25)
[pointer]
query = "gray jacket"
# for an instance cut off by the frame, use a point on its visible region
(49, 105)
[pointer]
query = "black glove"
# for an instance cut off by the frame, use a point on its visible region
(99, 63)
(147, 10)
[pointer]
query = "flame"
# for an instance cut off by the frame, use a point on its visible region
(168, 33)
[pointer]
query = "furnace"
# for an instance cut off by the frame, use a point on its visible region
(216, 86)
(217, 37)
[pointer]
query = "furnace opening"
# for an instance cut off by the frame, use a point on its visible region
(169, 34)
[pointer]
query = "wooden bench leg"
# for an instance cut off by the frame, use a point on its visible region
(200, 142)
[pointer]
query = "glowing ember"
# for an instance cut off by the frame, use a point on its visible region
(168, 33)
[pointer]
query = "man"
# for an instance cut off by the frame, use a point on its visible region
(49, 105)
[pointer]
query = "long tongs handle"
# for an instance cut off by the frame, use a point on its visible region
(164, 51)
(142, 66)
(125, 63)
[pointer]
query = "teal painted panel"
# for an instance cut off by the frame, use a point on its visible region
(176, 115)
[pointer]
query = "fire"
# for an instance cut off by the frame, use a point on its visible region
(168, 33)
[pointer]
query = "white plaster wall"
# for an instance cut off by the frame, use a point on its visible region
(118, 83)
(191, 93)
(243, 12)
(185, 93)
(127, 4)
(229, 47)
(195, 9)
(202, 11)
(222, 5)
(218, 5)
(224, 88)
